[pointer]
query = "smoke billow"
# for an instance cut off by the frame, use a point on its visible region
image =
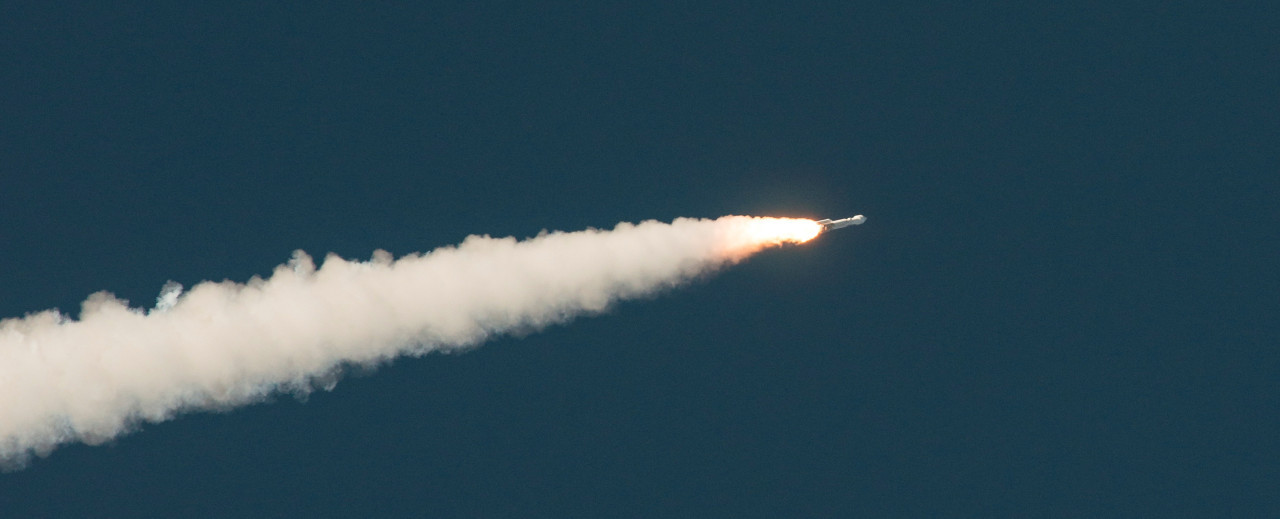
(225, 344)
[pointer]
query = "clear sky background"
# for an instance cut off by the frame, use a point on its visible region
(1063, 303)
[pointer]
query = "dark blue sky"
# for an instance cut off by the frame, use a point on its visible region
(1063, 303)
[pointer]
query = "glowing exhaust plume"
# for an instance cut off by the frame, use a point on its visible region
(225, 344)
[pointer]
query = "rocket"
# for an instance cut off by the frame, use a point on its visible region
(829, 225)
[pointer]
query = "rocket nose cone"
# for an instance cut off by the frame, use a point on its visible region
(859, 219)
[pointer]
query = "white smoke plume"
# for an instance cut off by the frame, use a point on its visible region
(225, 344)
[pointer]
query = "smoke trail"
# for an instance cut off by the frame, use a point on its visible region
(225, 344)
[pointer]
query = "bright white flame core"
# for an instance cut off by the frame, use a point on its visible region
(776, 231)
(748, 234)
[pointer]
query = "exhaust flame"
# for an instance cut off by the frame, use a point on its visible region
(776, 231)
(750, 234)
(225, 344)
